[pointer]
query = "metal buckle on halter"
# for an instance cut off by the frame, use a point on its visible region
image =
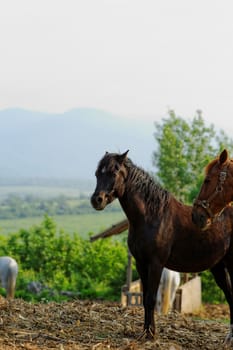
(222, 176)
(219, 188)
(205, 204)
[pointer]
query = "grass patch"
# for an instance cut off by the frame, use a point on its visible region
(81, 224)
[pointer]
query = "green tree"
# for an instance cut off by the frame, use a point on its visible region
(184, 148)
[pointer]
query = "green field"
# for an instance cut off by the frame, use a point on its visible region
(42, 191)
(81, 224)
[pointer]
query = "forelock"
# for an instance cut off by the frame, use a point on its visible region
(107, 163)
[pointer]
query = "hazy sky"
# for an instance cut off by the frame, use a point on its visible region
(129, 57)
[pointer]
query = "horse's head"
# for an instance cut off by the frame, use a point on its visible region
(216, 191)
(110, 175)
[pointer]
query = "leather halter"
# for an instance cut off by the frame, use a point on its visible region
(205, 203)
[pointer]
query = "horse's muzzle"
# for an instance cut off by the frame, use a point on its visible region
(99, 200)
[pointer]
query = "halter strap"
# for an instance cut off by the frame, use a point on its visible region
(205, 203)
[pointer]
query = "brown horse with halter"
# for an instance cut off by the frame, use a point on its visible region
(216, 191)
(161, 232)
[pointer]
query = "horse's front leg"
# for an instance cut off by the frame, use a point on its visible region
(150, 277)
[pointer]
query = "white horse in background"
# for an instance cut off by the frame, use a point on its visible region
(169, 283)
(8, 275)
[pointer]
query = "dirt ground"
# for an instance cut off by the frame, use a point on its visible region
(81, 325)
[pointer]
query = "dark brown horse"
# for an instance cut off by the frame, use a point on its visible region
(161, 231)
(216, 191)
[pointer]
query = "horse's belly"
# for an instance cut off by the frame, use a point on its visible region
(193, 252)
(195, 261)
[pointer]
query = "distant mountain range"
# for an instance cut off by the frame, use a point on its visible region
(68, 145)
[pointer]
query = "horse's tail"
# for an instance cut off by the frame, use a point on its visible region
(11, 276)
(166, 292)
(175, 285)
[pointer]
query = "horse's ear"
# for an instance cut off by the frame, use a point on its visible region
(122, 157)
(223, 156)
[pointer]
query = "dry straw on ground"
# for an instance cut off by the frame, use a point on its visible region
(81, 325)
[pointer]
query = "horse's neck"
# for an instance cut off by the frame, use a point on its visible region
(136, 207)
(128, 207)
(133, 206)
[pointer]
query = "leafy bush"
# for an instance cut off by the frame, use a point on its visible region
(211, 293)
(62, 262)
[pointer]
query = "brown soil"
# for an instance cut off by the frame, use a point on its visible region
(81, 325)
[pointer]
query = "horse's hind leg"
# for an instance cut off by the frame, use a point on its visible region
(10, 288)
(229, 274)
(224, 278)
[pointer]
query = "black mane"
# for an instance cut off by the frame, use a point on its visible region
(141, 182)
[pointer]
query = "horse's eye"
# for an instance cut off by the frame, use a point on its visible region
(117, 167)
(207, 180)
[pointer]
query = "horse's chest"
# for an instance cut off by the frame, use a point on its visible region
(141, 245)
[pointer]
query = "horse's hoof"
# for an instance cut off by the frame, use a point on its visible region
(142, 336)
(147, 334)
(150, 334)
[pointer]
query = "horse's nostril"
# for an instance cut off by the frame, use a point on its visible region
(99, 200)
